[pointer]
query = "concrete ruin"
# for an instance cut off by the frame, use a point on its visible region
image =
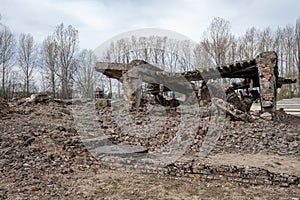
(260, 72)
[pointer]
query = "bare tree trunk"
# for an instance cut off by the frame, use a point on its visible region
(50, 58)
(67, 42)
(3, 81)
(27, 58)
(27, 85)
(84, 76)
(298, 51)
(64, 84)
(218, 43)
(53, 85)
(7, 51)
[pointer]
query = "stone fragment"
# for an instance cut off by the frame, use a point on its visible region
(266, 116)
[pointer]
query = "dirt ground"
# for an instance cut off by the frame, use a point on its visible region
(115, 184)
(107, 184)
(41, 157)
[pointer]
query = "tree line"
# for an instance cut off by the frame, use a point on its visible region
(58, 60)
(218, 46)
(66, 70)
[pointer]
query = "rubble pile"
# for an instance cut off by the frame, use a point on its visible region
(242, 174)
(4, 107)
(137, 128)
(34, 98)
(40, 142)
(279, 137)
(38, 145)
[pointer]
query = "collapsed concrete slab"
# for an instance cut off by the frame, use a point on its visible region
(261, 72)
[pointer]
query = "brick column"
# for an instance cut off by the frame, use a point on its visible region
(266, 64)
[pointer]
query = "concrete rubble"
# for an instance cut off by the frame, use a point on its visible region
(4, 107)
(40, 142)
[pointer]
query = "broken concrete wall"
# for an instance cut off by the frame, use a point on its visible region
(132, 90)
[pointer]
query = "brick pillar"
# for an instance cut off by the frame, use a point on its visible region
(266, 64)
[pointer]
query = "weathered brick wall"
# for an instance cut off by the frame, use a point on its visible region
(266, 63)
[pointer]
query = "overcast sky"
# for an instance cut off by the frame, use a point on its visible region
(99, 20)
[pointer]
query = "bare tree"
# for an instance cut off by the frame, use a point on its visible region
(278, 46)
(27, 59)
(217, 44)
(170, 55)
(186, 55)
(107, 57)
(247, 44)
(67, 44)
(49, 53)
(265, 40)
(7, 51)
(134, 48)
(85, 73)
(117, 55)
(15, 85)
(288, 44)
(297, 52)
(143, 44)
(49, 56)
